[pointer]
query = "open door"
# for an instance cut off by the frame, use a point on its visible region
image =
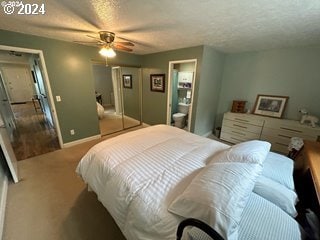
(42, 90)
(8, 153)
(181, 85)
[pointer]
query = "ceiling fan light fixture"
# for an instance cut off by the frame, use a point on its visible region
(107, 51)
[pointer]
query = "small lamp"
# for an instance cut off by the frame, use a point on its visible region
(107, 51)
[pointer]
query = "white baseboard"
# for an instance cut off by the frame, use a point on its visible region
(3, 202)
(74, 143)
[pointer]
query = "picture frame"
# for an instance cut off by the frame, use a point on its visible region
(127, 80)
(270, 105)
(157, 82)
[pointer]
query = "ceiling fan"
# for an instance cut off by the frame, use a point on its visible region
(107, 44)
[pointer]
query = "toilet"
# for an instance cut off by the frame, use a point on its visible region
(180, 117)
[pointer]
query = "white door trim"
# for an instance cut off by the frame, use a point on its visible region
(169, 96)
(47, 82)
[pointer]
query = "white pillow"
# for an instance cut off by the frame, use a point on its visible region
(100, 110)
(279, 168)
(218, 195)
(254, 151)
(278, 194)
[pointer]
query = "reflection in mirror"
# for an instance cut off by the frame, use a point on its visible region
(109, 120)
(113, 96)
(131, 96)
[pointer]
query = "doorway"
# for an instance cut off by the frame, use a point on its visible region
(27, 90)
(181, 84)
(119, 104)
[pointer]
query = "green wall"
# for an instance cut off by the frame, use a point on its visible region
(131, 96)
(70, 75)
(293, 72)
(209, 89)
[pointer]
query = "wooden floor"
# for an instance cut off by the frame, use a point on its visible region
(34, 135)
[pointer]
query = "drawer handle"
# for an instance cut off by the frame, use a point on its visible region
(239, 119)
(282, 144)
(236, 139)
(292, 130)
(280, 135)
(236, 125)
(239, 133)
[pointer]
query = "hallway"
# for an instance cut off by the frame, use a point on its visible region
(33, 136)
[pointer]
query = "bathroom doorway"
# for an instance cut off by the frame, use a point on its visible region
(180, 93)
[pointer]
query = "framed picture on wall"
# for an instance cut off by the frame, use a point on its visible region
(270, 105)
(157, 82)
(127, 81)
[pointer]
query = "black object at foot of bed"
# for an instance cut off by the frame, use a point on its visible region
(199, 224)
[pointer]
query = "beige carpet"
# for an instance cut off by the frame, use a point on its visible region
(112, 123)
(52, 203)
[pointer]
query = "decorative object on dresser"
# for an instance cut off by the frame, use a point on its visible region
(238, 106)
(270, 105)
(306, 118)
(239, 127)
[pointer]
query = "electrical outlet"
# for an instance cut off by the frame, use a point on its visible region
(72, 132)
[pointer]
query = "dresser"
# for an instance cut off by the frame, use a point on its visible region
(239, 127)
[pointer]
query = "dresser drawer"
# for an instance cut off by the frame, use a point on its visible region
(286, 133)
(231, 138)
(240, 134)
(242, 126)
(292, 126)
(277, 144)
(244, 118)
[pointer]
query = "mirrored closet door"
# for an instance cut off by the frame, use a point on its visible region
(118, 96)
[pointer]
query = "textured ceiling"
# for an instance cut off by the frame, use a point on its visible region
(160, 25)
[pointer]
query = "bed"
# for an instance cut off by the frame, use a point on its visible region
(153, 178)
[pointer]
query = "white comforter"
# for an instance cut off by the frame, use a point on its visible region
(137, 175)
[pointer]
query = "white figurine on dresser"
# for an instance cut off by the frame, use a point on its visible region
(239, 127)
(306, 118)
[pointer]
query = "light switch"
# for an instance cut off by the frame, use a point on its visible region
(58, 98)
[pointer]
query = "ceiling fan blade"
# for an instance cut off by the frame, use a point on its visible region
(125, 43)
(98, 39)
(120, 47)
(88, 43)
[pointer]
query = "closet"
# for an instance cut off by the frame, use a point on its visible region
(118, 91)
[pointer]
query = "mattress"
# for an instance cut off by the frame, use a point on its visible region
(137, 175)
